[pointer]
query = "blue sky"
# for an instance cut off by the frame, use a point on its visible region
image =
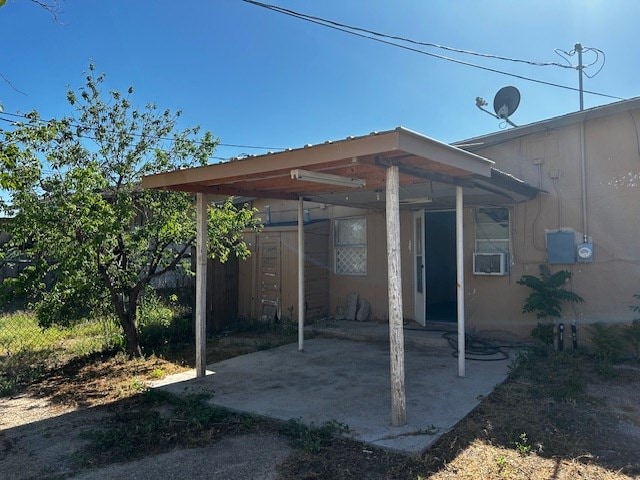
(255, 77)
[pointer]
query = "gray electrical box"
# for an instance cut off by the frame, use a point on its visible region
(561, 247)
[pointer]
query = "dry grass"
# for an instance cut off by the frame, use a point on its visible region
(572, 419)
(101, 379)
(568, 433)
(481, 460)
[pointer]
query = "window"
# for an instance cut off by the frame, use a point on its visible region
(492, 230)
(350, 246)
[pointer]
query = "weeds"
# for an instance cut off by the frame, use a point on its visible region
(137, 386)
(162, 322)
(548, 373)
(263, 345)
(27, 350)
(608, 343)
(633, 331)
(20, 332)
(136, 432)
(312, 438)
(158, 373)
(523, 447)
(633, 337)
(285, 326)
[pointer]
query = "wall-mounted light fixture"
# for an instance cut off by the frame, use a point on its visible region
(327, 178)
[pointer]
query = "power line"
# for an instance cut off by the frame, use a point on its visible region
(88, 137)
(351, 30)
(566, 55)
(304, 16)
(76, 125)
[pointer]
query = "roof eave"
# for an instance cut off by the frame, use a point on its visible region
(483, 141)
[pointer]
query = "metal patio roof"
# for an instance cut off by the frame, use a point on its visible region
(427, 167)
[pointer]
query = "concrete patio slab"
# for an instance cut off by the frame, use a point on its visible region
(349, 382)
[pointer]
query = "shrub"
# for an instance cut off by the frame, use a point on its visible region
(161, 323)
(608, 343)
(548, 293)
(543, 333)
(633, 331)
(550, 374)
(632, 335)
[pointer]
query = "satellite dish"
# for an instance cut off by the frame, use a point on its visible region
(506, 102)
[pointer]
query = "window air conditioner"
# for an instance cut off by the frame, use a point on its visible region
(489, 264)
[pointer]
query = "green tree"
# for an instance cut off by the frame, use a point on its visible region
(548, 293)
(95, 238)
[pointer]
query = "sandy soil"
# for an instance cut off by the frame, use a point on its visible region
(41, 431)
(38, 440)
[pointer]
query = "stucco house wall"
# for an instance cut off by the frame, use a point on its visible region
(546, 155)
(551, 160)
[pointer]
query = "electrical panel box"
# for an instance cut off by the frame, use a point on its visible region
(561, 247)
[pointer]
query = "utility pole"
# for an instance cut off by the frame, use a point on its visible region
(578, 47)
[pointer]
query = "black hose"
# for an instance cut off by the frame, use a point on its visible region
(475, 349)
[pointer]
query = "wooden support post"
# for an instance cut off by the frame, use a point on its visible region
(396, 332)
(201, 284)
(460, 281)
(301, 304)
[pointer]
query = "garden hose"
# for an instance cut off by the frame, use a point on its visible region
(476, 349)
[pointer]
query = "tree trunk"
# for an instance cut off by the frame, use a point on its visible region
(127, 316)
(126, 310)
(132, 342)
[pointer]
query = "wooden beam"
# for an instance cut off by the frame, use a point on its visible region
(460, 281)
(234, 192)
(201, 285)
(396, 332)
(425, 174)
(301, 304)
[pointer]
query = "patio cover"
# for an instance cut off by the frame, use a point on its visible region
(407, 168)
(420, 159)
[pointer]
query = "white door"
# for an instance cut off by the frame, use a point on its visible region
(419, 274)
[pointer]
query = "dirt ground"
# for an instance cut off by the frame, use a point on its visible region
(42, 430)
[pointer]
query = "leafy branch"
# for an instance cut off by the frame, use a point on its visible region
(548, 293)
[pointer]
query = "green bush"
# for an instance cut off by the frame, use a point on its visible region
(633, 330)
(548, 293)
(632, 335)
(550, 374)
(544, 333)
(162, 323)
(608, 343)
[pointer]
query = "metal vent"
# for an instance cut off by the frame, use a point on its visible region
(489, 264)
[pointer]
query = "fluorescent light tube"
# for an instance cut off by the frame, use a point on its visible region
(327, 178)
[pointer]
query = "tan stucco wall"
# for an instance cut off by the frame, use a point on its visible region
(494, 302)
(613, 205)
(372, 287)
